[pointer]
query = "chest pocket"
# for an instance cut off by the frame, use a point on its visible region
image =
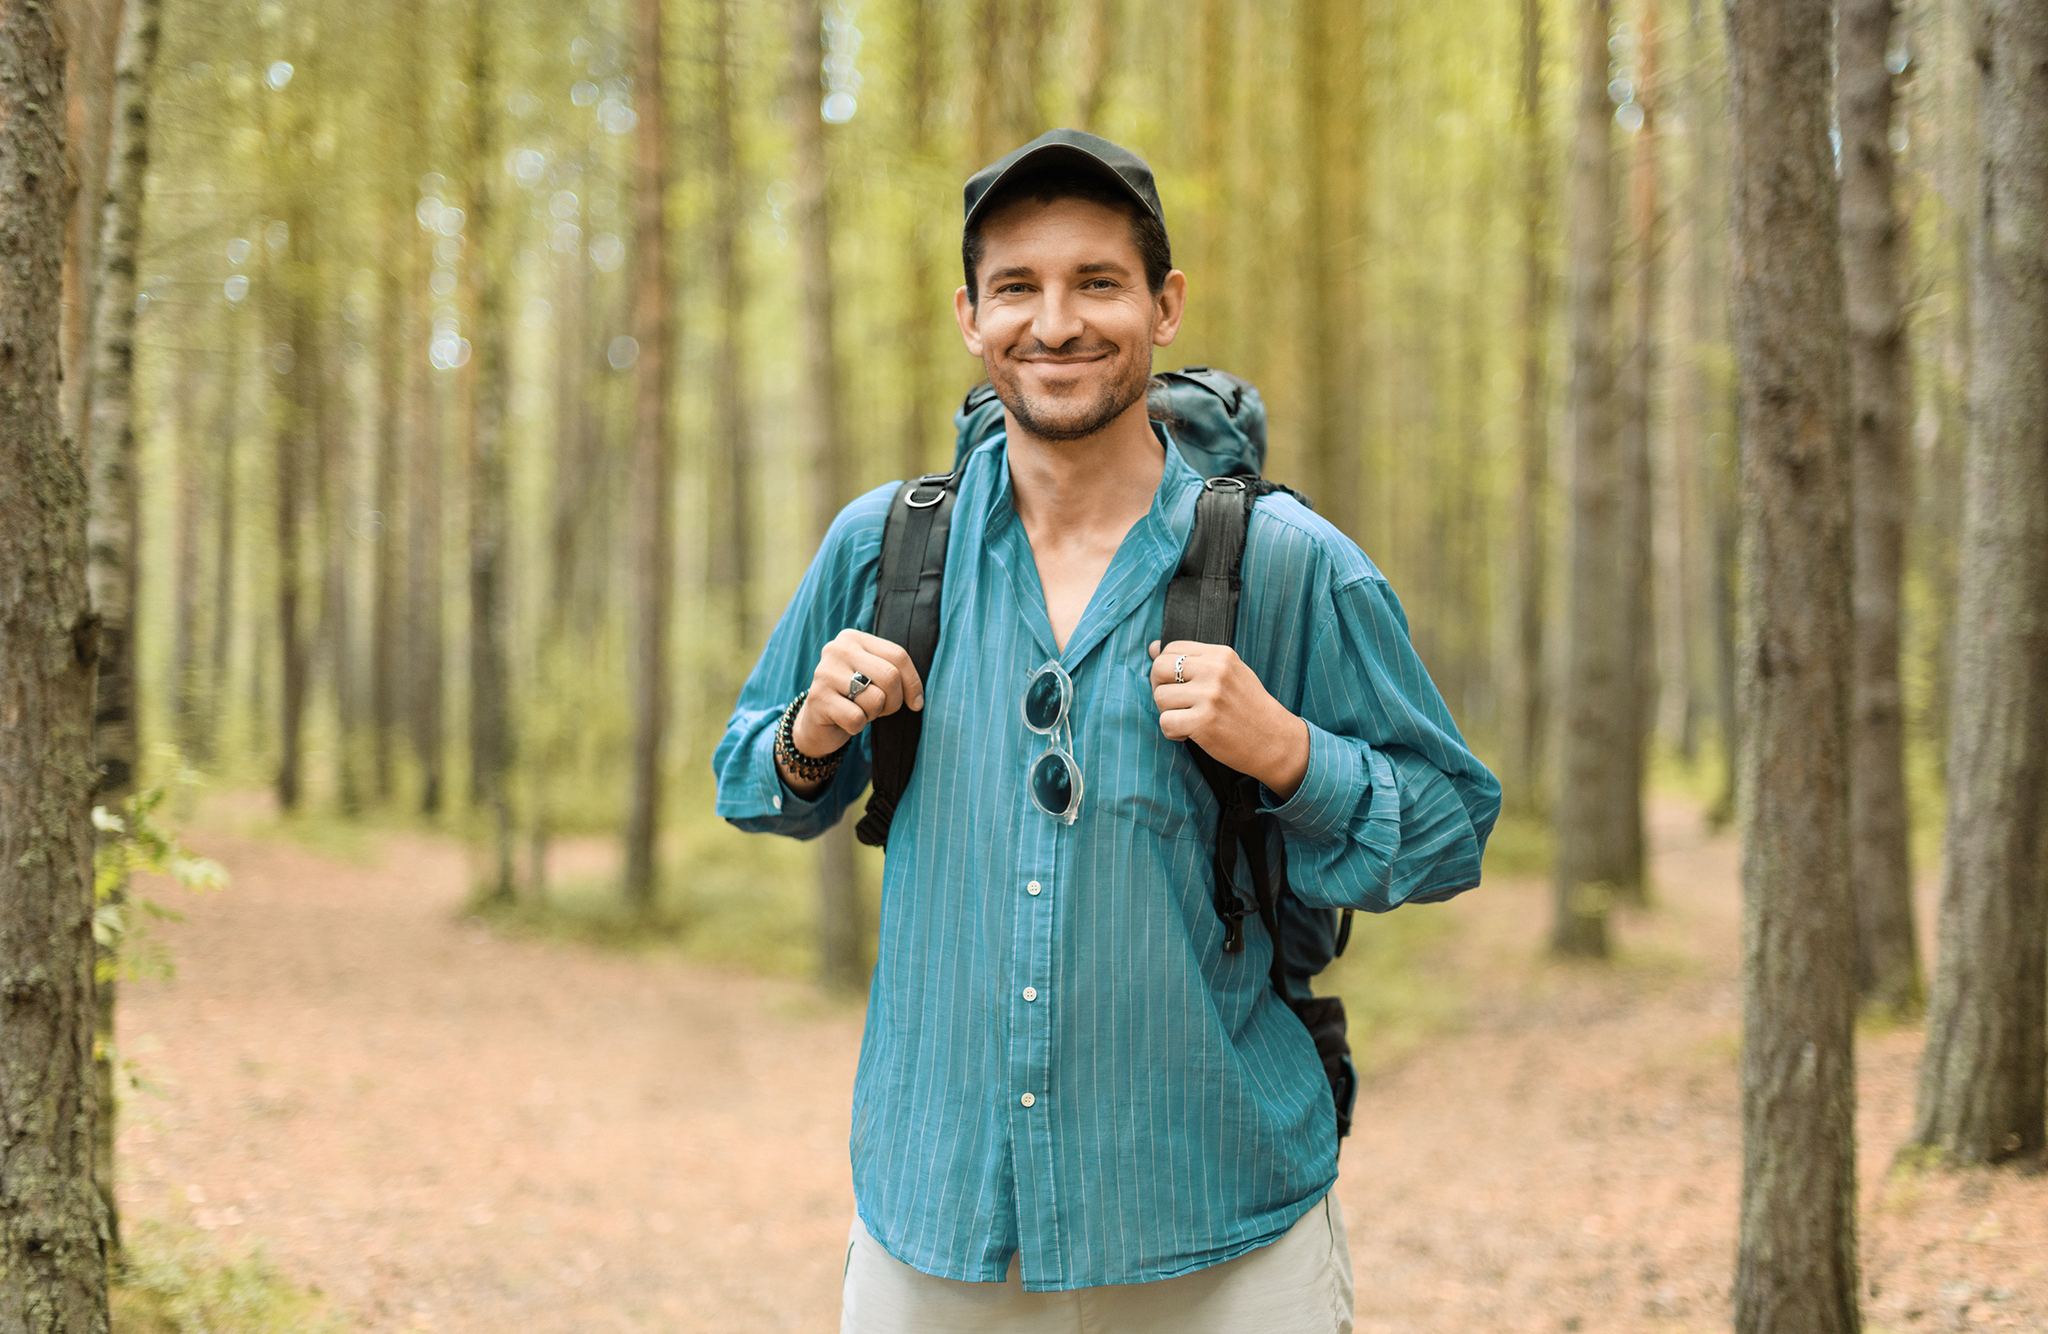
(1143, 777)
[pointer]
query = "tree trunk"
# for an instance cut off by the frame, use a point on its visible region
(654, 541)
(1981, 1076)
(1332, 476)
(732, 552)
(426, 666)
(189, 497)
(1104, 21)
(297, 358)
(53, 1270)
(490, 720)
(919, 301)
(111, 531)
(1635, 388)
(1528, 719)
(393, 319)
(840, 963)
(227, 429)
(1887, 958)
(334, 502)
(1588, 870)
(1796, 1261)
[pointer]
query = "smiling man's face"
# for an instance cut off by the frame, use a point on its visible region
(1066, 323)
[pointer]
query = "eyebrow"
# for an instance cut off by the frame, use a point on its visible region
(1024, 271)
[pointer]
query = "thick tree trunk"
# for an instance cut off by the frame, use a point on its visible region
(1529, 713)
(1796, 1262)
(1635, 388)
(490, 711)
(840, 963)
(1887, 958)
(1981, 1076)
(732, 566)
(53, 1271)
(1588, 870)
(654, 540)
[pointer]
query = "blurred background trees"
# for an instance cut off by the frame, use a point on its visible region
(430, 297)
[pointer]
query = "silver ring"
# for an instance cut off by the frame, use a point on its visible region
(1180, 678)
(858, 683)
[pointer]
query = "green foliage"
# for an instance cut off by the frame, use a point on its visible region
(177, 1283)
(133, 842)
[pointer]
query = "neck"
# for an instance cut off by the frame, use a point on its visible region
(1098, 482)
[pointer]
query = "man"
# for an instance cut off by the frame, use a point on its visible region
(1073, 1108)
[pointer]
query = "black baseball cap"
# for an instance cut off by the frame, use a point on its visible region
(1085, 152)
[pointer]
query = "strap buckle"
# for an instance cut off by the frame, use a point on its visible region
(1232, 483)
(937, 481)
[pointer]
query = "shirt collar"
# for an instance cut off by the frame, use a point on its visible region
(1148, 555)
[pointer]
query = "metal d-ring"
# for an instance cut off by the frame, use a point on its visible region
(937, 479)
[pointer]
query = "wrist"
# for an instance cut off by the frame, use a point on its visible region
(805, 772)
(814, 737)
(1288, 764)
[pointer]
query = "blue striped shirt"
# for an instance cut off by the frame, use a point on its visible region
(1060, 1060)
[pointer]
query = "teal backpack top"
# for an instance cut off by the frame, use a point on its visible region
(1217, 420)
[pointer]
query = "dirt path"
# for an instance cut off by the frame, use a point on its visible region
(445, 1129)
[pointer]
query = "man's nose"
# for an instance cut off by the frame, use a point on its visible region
(1058, 320)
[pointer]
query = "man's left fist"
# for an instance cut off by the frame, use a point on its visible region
(1206, 694)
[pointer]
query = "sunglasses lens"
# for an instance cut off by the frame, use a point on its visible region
(1042, 701)
(1052, 783)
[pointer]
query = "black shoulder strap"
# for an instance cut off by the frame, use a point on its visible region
(908, 583)
(1201, 606)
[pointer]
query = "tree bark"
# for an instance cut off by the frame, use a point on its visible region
(1588, 872)
(490, 714)
(1332, 475)
(297, 358)
(53, 1273)
(1982, 1074)
(1880, 384)
(654, 539)
(1635, 388)
(189, 497)
(227, 429)
(1796, 1261)
(394, 321)
(1528, 720)
(841, 966)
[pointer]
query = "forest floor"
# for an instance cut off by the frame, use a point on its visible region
(444, 1127)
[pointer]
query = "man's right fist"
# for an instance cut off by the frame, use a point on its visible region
(829, 718)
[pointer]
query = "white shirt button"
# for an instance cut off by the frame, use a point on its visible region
(1031, 993)
(1027, 1100)
(1031, 888)
(777, 799)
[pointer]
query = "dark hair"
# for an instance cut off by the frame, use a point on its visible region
(1050, 181)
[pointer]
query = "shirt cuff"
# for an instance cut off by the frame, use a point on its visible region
(766, 795)
(1322, 807)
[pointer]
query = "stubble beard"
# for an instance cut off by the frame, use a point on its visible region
(1061, 420)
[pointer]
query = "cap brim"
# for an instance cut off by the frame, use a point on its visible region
(1079, 157)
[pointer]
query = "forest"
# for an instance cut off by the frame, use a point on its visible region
(418, 413)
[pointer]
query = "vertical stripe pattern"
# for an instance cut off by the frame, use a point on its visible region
(1177, 1113)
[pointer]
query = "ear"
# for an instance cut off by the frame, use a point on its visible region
(1168, 307)
(970, 322)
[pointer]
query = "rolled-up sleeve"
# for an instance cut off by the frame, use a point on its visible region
(1394, 807)
(837, 593)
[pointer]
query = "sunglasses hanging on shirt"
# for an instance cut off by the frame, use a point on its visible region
(1054, 779)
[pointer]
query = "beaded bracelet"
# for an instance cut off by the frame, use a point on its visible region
(807, 768)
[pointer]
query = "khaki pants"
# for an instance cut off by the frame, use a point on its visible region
(1300, 1284)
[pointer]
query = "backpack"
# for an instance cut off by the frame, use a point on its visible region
(1218, 422)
